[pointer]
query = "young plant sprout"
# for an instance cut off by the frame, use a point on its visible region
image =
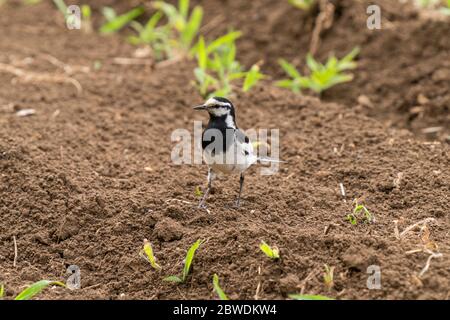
(218, 289)
(358, 211)
(198, 191)
(308, 297)
(184, 25)
(115, 23)
(328, 277)
(173, 39)
(36, 288)
(272, 252)
(218, 68)
(2, 291)
(322, 76)
(187, 264)
(302, 4)
(147, 254)
(157, 37)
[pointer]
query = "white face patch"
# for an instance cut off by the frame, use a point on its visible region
(219, 111)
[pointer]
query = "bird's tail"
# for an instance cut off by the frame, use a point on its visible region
(268, 159)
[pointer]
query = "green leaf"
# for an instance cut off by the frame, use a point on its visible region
(121, 21)
(189, 258)
(352, 219)
(192, 27)
(153, 21)
(148, 251)
(171, 12)
(284, 83)
(218, 289)
(174, 279)
(202, 56)
(228, 38)
(308, 297)
(198, 191)
(252, 77)
(183, 8)
(272, 253)
(302, 4)
(61, 6)
(312, 63)
(289, 69)
(36, 288)
(2, 291)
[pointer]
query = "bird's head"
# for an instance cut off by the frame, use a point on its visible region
(217, 107)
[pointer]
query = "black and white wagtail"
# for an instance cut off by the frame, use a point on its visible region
(226, 148)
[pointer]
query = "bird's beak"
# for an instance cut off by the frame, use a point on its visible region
(200, 107)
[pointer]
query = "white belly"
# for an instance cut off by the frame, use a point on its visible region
(235, 160)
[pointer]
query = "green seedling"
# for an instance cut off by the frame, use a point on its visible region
(218, 69)
(328, 277)
(358, 211)
(2, 291)
(198, 191)
(252, 77)
(302, 4)
(218, 289)
(147, 253)
(308, 297)
(157, 37)
(272, 252)
(115, 23)
(185, 25)
(187, 264)
(322, 76)
(36, 288)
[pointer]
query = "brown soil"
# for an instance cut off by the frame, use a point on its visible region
(89, 176)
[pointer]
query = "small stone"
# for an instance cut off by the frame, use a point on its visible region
(168, 230)
(365, 101)
(289, 283)
(25, 112)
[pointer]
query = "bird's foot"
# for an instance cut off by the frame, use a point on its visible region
(202, 205)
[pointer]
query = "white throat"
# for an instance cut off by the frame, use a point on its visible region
(229, 121)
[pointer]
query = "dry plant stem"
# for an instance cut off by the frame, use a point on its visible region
(15, 251)
(131, 61)
(258, 287)
(65, 67)
(34, 77)
(324, 21)
(427, 265)
(167, 63)
(415, 225)
(305, 281)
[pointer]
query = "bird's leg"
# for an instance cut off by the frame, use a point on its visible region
(241, 185)
(210, 179)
